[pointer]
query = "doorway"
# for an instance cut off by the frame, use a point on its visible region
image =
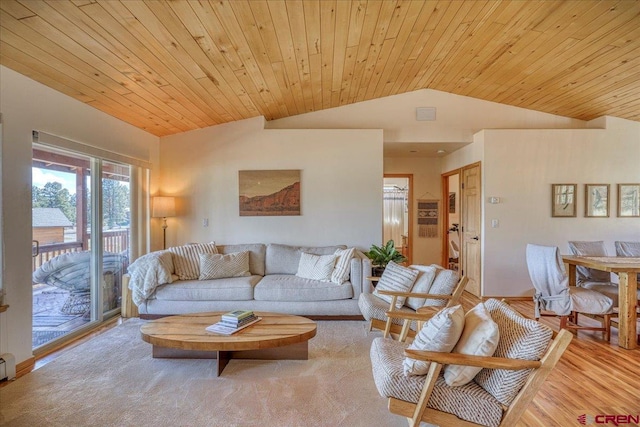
(452, 221)
(397, 212)
(462, 222)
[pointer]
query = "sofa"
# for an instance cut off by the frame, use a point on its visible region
(260, 277)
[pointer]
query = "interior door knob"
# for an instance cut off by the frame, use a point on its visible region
(476, 238)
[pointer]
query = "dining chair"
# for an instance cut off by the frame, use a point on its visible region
(628, 249)
(590, 278)
(554, 295)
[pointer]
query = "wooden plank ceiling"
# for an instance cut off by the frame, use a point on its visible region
(173, 66)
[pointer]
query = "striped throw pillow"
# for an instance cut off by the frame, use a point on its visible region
(342, 268)
(316, 267)
(396, 278)
(186, 259)
(217, 266)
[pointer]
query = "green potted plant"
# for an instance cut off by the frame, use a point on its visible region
(381, 255)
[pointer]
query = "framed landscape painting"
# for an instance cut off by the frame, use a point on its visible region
(269, 192)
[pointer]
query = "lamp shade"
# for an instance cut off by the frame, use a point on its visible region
(163, 207)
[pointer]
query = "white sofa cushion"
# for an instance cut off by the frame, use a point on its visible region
(316, 267)
(422, 285)
(395, 278)
(186, 259)
(286, 287)
(218, 266)
(480, 338)
(440, 333)
(231, 289)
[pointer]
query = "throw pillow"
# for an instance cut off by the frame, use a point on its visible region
(186, 259)
(342, 268)
(217, 266)
(443, 284)
(520, 338)
(440, 333)
(423, 283)
(316, 267)
(396, 278)
(480, 338)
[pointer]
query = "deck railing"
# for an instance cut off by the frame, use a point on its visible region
(114, 241)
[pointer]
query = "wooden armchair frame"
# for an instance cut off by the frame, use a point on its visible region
(417, 412)
(423, 313)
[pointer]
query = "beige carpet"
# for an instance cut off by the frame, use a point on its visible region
(112, 380)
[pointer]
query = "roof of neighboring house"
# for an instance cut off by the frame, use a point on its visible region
(50, 217)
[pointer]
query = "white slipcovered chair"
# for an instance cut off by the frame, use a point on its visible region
(590, 278)
(628, 249)
(553, 293)
(500, 392)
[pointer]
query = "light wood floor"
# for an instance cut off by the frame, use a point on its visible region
(593, 377)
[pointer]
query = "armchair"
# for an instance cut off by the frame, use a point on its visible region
(434, 287)
(497, 396)
(423, 313)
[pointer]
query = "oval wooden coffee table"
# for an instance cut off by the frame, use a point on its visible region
(276, 336)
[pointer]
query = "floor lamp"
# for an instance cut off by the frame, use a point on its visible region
(164, 207)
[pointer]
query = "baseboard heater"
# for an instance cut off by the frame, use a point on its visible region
(7, 367)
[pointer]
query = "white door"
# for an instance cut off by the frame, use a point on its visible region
(471, 227)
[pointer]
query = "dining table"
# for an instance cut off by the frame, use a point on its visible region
(627, 269)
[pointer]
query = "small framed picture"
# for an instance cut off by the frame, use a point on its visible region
(563, 200)
(596, 200)
(629, 200)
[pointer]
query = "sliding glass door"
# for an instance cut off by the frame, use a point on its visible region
(116, 232)
(80, 241)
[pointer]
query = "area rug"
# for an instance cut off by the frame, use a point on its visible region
(112, 380)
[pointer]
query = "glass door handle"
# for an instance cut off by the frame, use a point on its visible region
(36, 252)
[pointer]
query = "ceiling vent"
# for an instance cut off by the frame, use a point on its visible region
(425, 114)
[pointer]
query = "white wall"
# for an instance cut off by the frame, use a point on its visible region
(341, 184)
(426, 185)
(519, 166)
(458, 118)
(27, 105)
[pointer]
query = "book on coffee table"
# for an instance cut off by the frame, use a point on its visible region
(237, 322)
(224, 329)
(237, 315)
